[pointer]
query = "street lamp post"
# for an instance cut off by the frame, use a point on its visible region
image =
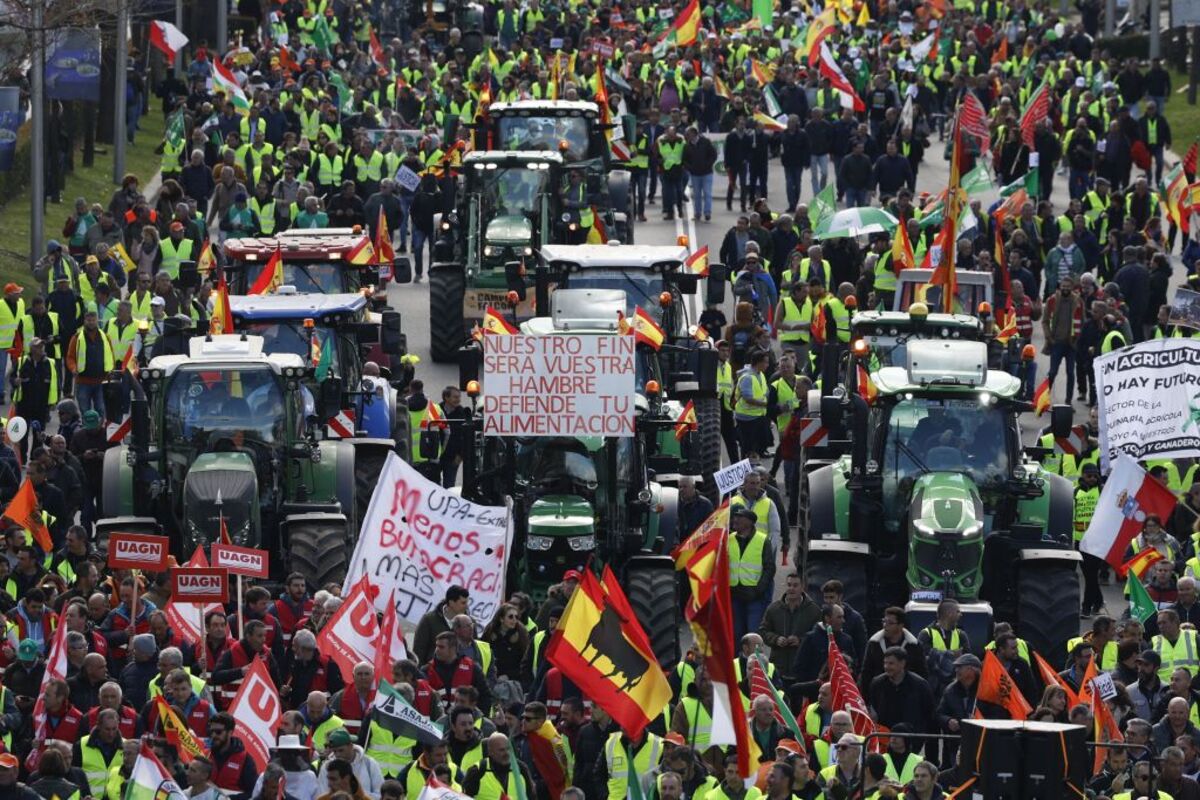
(37, 150)
(120, 81)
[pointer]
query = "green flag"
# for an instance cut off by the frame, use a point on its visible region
(345, 96)
(175, 129)
(515, 763)
(822, 206)
(764, 10)
(977, 181)
(1141, 607)
(323, 351)
(781, 708)
(322, 35)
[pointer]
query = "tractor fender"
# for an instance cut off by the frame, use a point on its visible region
(668, 520)
(123, 524)
(618, 189)
(839, 546)
(1048, 554)
(334, 474)
(117, 498)
(822, 505)
(375, 416)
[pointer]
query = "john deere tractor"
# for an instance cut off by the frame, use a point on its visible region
(588, 499)
(508, 207)
(231, 435)
(933, 497)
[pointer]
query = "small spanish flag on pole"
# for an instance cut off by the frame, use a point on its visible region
(686, 421)
(646, 330)
(494, 322)
(271, 278)
(1041, 397)
(697, 262)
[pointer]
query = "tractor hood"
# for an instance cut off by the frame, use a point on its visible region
(511, 229)
(561, 515)
(945, 502)
(220, 485)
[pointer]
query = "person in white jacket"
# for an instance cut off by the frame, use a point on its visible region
(366, 769)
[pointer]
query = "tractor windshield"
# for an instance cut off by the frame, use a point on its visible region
(932, 434)
(557, 465)
(224, 407)
(641, 288)
(509, 190)
(545, 133)
(309, 277)
(291, 337)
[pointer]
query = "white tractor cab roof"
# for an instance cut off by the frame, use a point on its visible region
(579, 311)
(226, 350)
(539, 108)
(494, 159)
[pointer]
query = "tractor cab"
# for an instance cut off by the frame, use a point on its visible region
(913, 286)
(512, 205)
(885, 335)
(315, 261)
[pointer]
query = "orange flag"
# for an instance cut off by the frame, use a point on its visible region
(23, 510)
(1050, 677)
(996, 686)
(1084, 695)
(1106, 729)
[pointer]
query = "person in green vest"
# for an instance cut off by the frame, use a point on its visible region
(732, 786)
(496, 777)
(577, 199)
(1087, 496)
(750, 408)
(751, 571)
(670, 163)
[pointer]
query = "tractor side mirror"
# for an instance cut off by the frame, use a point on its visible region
(329, 401)
(1061, 417)
(513, 278)
(718, 276)
(831, 412)
(392, 339)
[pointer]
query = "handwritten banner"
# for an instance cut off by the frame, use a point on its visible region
(420, 539)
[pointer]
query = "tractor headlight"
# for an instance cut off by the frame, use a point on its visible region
(972, 530)
(241, 536)
(527, 251)
(582, 543)
(489, 251)
(539, 543)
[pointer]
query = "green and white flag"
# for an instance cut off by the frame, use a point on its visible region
(1141, 607)
(822, 206)
(175, 130)
(395, 715)
(150, 780)
(771, 101)
(1028, 182)
(977, 181)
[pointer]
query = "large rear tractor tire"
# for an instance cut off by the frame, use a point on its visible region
(447, 330)
(825, 565)
(706, 441)
(368, 466)
(1048, 604)
(402, 432)
(653, 595)
(318, 551)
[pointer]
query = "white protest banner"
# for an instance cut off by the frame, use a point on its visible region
(351, 633)
(419, 539)
(408, 179)
(1149, 400)
(558, 385)
(257, 711)
(729, 479)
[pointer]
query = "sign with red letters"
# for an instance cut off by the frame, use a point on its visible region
(200, 585)
(138, 551)
(241, 560)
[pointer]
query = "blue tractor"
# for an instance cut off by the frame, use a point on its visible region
(334, 333)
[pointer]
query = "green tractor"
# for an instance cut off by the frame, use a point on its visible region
(589, 500)
(932, 496)
(229, 435)
(508, 206)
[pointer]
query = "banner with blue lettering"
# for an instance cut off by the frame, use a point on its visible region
(73, 64)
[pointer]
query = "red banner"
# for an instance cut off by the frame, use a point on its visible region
(200, 585)
(138, 551)
(352, 633)
(241, 560)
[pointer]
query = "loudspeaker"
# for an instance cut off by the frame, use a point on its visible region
(1024, 760)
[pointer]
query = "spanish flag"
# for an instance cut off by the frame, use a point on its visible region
(177, 733)
(270, 279)
(1141, 561)
(722, 88)
(623, 324)
(1041, 397)
(701, 334)
(206, 261)
(686, 421)
(1008, 325)
(866, 387)
(361, 253)
(383, 240)
(494, 322)
(697, 262)
(902, 251)
(433, 417)
(768, 123)
(646, 330)
(549, 752)
(222, 315)
(600, 645)
(762, 73)
(23, 510)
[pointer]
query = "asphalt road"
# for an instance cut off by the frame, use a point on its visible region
(412, 300)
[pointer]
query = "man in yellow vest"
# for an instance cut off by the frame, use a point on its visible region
(670, 162)
(496, 777)
(576, 198)
(753, 495)
(91, 360)
(1175, 646)
(12, 311)
(793, 319)
(944, 635)
(1087, 495)
(750, 409)
(631, 759)
(751, 571)
(726, 393)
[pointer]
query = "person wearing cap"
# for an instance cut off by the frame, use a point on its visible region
(176, 248)
(10, 787)
(90, 359)
(35, 384)
(58, 263)
(751, 571)
(239, 219)
(91, 279)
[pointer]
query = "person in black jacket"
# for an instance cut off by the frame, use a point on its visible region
(699, 156)
(820, 145)
(705, 106)
(891, 171)
(759, 156)
(738, 145)
(425, 204)
(794, 158)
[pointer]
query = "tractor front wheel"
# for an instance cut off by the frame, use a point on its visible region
(447, 330)
(1048, 604)
(652, 593)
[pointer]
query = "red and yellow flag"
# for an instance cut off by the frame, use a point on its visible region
(697, 262)
(902, 251)
(549, 752)
(946, 242)
(646, 330)
(271, 277)
(1141, 561)
(23, 510)
(1106, 730)
(177, 733)
(866, 387)
(384, 254)
(362, 253)
(433, 417)
(1041, 397)
(996, 686)
(1008, 325)
(206, 260)
(494, 322)
(686, 421)
(600, 645)
(762, 72)
(722, 88)
(222, 316)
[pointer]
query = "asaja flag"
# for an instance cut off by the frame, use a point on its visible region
(823, 206)
(600, 645)
(271, 277)
(322, 355)
(398, 717)
(23, 510)
(1141, 606)
(996, 686)
(167, 37)
(1128, 497)
(150, 780)
(925, 49)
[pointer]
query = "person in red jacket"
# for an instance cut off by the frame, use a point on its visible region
(353, 702)
(292, 607)
(307, 671)
(111, 696)
(233, 769)
(63, 720)
(234, 663)
(215, 642)
(448, 669)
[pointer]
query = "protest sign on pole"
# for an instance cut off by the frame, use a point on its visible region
(352, 633)
(245, 562)
(558, 385)
(1149, 400)
(138, 551)
(418, 539)
(257, 710)
(200, 585)
(730, 478)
